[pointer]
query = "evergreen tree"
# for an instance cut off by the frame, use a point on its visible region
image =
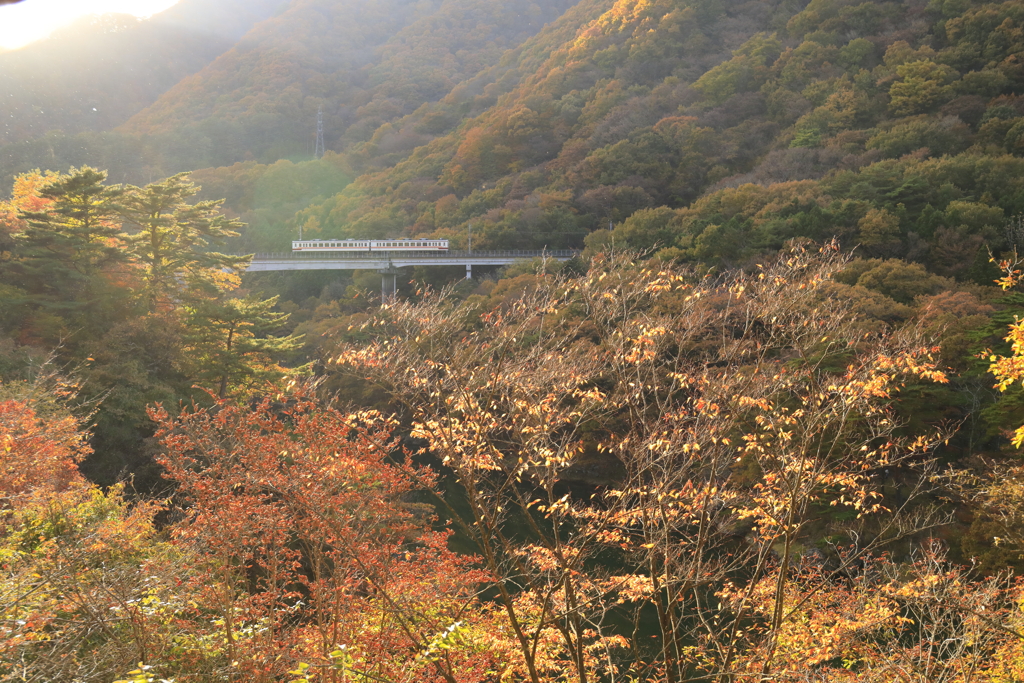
(231, 344)
(172, 239)
(73, 237)
(64, 260)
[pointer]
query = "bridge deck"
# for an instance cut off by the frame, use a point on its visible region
(386, 260)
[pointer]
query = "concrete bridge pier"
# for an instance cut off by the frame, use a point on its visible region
(469, 271)
(388, 284)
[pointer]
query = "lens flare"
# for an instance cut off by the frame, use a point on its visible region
(31, 20)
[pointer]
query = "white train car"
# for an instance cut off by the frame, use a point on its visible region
(371, 245)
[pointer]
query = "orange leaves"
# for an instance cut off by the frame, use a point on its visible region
(632, 587)
(643, 347)
(25, 197)
(37, 453)
(748, 402)
(305, 539)
(683, 414)
(825, 622)
(73, 556)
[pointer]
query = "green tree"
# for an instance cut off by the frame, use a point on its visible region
(648, 228)
(78, 228)
(879, 232)
(66, 246)
(172, 239)
(231, 343)
(923, 85)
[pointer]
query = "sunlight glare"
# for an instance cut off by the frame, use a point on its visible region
(30, 20)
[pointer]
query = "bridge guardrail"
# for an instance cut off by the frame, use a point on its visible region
(377, 255)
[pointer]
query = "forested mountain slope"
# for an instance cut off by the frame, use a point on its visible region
(364, 62)
(731, 450)
(901, 119)
(98, 72)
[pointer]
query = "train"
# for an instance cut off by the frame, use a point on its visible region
(401, 244)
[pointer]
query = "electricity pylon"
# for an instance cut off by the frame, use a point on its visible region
(319, 133)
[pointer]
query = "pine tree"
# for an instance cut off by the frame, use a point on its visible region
(172, 239)
(231, 344)
(67, 265)
(69, 241)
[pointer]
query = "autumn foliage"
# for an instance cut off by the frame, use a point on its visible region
(306, 542)
(38, 453)
(637, 473)
(695, 429)
(70, 554)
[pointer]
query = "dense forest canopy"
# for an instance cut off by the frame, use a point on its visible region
(900, 108)
(364, 63)
(764, 426)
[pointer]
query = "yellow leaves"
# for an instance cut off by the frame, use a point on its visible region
(225, 281)
(917, 588)
(643, 347)
(632, 587)
(592, 394)
(749, 402)
(661, 284)
(659, 445)
(819, 624)
(366, 356)
(1010, 369)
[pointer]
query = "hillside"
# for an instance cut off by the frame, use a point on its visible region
(365, 63)
(893, 124)
(98, 72)
(765, 425)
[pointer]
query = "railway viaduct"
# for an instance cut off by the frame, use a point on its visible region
(387, 263)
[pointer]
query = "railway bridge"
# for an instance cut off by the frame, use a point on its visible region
(387, 263)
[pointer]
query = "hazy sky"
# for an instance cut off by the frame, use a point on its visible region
(30, 20)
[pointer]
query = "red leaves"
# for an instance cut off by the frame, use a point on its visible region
(305, 540)
(37, 453)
